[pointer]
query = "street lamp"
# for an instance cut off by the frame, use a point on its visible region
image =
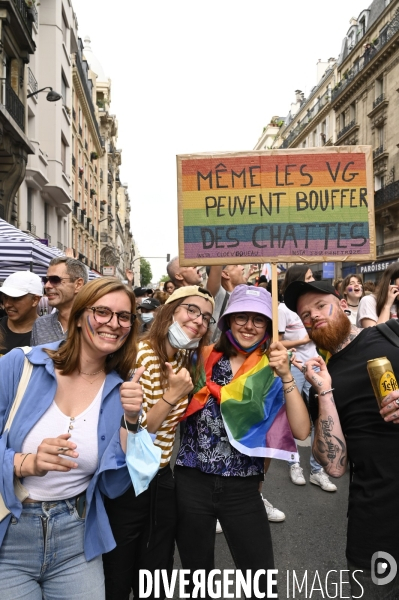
(52, 96)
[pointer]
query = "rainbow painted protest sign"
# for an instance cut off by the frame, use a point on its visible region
(295, 205)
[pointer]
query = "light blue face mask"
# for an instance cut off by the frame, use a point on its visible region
(147, 317)
(142, 459)
(179, 339)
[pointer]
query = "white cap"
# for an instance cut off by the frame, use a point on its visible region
(21, 283)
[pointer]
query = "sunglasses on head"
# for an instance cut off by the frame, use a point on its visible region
(54, 280)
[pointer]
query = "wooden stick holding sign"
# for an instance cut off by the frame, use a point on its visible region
(274, 303)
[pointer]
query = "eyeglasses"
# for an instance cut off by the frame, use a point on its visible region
(104, 315)
(55, 280)
(242, 319)
(194, 312)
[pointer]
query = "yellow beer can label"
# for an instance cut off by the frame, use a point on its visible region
(388, 383)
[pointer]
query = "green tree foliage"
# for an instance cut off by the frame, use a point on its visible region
(145, 272)
(164, 278)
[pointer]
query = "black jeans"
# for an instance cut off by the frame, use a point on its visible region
(144, 530)
(362, 585)
(236, 502)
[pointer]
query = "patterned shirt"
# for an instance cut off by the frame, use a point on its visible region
(153, 391)
(205, 444)
(47, 329)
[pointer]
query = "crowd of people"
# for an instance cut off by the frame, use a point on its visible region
(94, 394)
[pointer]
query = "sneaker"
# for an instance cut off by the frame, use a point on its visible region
(296, 474)
(321, 479)
(273, 514)
(218, 527)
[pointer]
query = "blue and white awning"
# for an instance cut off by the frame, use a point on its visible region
(22, 252)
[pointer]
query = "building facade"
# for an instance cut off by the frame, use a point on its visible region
(87, 150)
(45, 196)
(18, 28)
(115, 238)
(365, 102)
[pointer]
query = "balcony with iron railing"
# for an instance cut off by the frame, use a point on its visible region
(345, 129)
(387, 194)
(73, 161)
(308, 117)
(32, 83)
(47, 236)
(385, 36)
(12, 103)
(378, 100)
(388, 248)
(31, 227)
(378, 151)
(61, 246)
(26, 16)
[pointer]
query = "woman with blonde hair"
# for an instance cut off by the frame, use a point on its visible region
(66, 445)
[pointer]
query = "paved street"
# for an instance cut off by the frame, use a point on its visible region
(311, 538)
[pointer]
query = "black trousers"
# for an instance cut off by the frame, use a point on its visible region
(236, 502)
(144, 531)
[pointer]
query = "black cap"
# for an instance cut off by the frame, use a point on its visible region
(149, 304)
(298, 288)
(139, 292)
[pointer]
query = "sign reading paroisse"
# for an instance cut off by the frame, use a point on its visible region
(296, 205)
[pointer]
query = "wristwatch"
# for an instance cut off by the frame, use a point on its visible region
(133, 427)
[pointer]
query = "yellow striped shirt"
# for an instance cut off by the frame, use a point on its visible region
(153, 391)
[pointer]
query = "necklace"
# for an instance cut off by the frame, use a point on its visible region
(91, 374)
(352, 305)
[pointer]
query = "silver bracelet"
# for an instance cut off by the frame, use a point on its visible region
(288, 390)
(324, 393)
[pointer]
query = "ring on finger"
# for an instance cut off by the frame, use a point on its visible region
(303, 369)
(397, 401)
(61, 450)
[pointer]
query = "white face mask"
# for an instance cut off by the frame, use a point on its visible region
(178, 338)
(147, 317)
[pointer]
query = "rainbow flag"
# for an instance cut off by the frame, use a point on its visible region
(252, 407)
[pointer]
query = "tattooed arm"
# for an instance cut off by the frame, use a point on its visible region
(329, 445)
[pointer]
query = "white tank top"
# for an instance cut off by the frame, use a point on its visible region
(57, 485)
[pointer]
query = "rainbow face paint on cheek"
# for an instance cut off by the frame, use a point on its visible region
(124, 336)
(350, 289)
(331, 309)
(89, 329)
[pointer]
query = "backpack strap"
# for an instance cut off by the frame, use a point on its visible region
(390, 330)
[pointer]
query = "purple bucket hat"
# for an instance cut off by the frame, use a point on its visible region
(248, 298)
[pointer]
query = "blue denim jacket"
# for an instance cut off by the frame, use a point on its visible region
(111, 477)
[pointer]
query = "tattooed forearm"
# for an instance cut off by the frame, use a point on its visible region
(329, 449)
(317, 380)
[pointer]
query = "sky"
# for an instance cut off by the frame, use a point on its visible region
(201, 76)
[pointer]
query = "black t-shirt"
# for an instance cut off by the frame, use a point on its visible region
(12, 339)
(373, 448)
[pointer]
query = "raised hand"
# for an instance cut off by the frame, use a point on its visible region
(179, 384)
(132, 395)
(321, 379)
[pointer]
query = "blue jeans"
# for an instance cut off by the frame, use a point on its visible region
(42, 556)
(304, 386)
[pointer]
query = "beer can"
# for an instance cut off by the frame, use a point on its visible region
(382, 377)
